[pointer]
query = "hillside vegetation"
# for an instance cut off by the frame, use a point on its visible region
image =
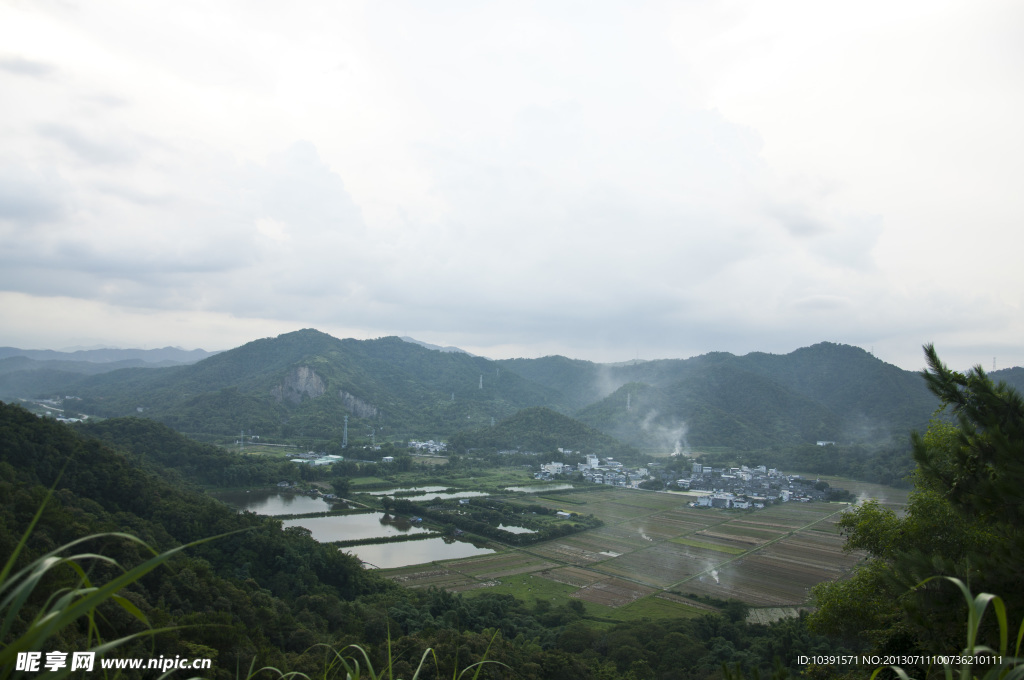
(540, 430)
(304, 384)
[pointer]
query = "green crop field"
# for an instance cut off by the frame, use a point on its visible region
(654, 548)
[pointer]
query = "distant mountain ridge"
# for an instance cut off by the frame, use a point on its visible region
(163, 355)
(439, 348)
(25, 372)
(306, 382)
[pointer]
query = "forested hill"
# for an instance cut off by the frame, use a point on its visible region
(541, 430)
(264, 592)
(304, 384)
(823, 392)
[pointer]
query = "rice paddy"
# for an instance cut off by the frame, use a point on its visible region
(654, 551)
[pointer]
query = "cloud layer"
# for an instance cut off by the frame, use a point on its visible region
(600, 180)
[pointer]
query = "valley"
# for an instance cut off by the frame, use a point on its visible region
(560, 514)
(653, 556)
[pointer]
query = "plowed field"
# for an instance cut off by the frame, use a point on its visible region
(654, 544)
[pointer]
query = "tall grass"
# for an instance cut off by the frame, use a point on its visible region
(353, 663)
(67, 605)
(993, 664)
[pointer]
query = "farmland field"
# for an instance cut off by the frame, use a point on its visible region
(654, 554)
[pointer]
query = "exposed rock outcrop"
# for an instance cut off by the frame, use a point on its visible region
(356, 406)
(300, 381)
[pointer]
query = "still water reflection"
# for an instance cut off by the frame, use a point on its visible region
(272, 502)
(358, 527)
(428, 492)
(355, 527)
(539, 488)
(393, 555)
(516, 530)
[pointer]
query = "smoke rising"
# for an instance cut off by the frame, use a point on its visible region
(671, 436)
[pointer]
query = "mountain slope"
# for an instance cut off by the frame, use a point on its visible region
(541, 430)
(305, 383)
(250, 583)
(824, 392)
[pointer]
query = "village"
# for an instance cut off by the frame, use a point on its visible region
(740, 487)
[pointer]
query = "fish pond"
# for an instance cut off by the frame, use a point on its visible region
(265, 502)
(407, 553)
(358, 527)
(422, 493)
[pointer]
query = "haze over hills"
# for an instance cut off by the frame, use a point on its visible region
(27, 372)
(304, 383)
(165, 356)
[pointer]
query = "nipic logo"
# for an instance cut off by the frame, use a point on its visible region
(85, 661)
(55, 661)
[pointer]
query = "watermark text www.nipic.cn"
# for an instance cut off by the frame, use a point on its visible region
(86, 661)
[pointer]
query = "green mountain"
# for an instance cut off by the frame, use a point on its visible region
(824, 392)
(1013, 377)
(540, 430)
(720, 406)
(304, 384)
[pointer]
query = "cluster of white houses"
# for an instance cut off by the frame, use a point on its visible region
(746, 487)
(611, 472)
(430, 446)
(737, 487)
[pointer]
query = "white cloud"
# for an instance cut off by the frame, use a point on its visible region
(659, 179)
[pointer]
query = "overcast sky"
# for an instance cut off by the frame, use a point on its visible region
(602, 180)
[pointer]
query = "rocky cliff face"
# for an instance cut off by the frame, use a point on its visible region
(300, 381)
(357, 407)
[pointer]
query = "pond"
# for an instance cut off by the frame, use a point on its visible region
(407, 553)
(267, 502)
(356, 527)
(420, 490)
(428, 493)
(516, 530)
(385, 555)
